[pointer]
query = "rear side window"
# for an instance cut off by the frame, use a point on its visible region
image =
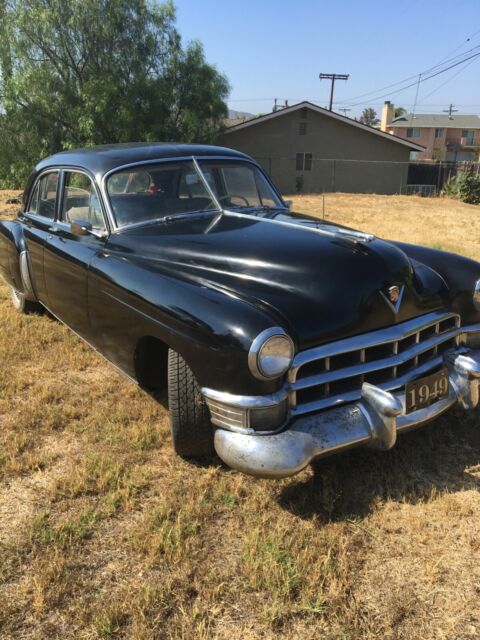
(44, 196)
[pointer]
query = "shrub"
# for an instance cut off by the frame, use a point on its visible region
(465, 186)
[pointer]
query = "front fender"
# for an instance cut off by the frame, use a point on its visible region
(459, 273)
(213, 330)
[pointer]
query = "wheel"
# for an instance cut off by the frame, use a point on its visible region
(192, 431)
(21, 304)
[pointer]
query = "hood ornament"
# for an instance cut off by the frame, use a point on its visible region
(393, 296)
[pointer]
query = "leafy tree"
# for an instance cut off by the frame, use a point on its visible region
(99, 71)
(399, 112)
(369, 116)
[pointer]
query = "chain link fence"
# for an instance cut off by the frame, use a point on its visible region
(306, 173)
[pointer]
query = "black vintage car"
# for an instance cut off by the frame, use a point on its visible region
(281, 337)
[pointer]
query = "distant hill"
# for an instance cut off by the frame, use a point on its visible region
(236, 115)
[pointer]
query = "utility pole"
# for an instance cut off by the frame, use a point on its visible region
(450, 111)
(344, 111)
(333, 77)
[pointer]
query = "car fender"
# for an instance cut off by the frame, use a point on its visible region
(12, 247)
(459, 273)
(212, 329)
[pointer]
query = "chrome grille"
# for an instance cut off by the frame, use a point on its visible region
(389, 358)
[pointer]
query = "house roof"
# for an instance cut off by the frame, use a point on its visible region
(436, 120)
(330, 114)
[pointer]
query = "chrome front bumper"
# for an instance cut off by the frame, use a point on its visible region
(375, 420)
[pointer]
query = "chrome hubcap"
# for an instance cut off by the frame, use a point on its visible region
(16, 297)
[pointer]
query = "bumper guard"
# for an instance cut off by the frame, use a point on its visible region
(375, 420)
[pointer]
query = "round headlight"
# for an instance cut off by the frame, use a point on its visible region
(476, 295)
(271, 354)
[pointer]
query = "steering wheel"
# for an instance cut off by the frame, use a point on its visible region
(229, 197)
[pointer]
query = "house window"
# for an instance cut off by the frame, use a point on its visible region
(302, 128)
(413, 132)
(303, 161)
(438, 132)
(468, 135)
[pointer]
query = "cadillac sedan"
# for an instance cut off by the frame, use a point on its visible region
(281, 337)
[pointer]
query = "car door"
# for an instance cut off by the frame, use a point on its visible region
(67, 255)
(37, 221)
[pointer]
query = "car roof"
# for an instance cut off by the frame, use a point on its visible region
(103, 158)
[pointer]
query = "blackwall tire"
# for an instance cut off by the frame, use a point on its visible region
(192, 431)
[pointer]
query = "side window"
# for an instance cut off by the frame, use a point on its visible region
(131, 182)
(80, 201)
(44, 196)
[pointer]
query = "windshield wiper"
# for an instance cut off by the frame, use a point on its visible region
(186, 214)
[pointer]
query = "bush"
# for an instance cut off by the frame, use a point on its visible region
(465, 186)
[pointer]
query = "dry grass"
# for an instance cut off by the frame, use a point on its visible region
(442, 223)
(104, 534)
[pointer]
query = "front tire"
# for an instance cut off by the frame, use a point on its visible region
(21, 304)
(192, 431)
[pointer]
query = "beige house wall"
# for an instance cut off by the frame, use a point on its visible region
(345, 157)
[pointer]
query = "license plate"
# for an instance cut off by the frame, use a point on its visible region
(425, 391)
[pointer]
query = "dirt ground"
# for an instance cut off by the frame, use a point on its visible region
(105, 534)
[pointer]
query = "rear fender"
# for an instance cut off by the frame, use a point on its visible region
(15, 265)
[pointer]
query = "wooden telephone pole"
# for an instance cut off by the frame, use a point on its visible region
(450, 111)
(333, 77)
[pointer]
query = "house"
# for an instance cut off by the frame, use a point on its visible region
(451, 137)
(307, 148)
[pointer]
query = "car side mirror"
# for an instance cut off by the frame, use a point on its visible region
(84, 228)
(81, 228)
(289, 203)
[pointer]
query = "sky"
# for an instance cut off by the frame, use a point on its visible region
(277, 48)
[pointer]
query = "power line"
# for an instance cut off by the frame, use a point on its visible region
(425, 72)
(449, 79)
(433, 75)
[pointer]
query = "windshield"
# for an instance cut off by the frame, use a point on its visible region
(162, 190)
(154, 191)
(239, 185)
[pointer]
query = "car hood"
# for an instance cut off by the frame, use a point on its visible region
(319, 280)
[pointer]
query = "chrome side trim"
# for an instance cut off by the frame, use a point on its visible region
(27, 280)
